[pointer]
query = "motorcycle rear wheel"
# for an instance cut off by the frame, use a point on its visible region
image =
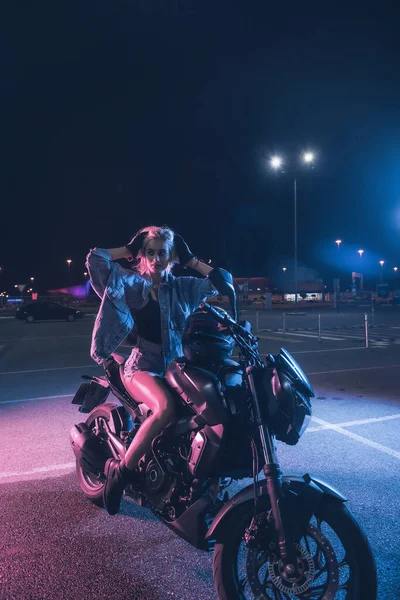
(341, 565)
(92, 484)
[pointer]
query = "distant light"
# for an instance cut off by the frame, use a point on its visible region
(308, 157)
(381, 262)
(276, 162)
(360, 252)
(284, 269)
(338, 242)
(258, 289)
(32, 278)
(395, 268)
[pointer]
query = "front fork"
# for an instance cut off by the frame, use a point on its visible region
(272, 474)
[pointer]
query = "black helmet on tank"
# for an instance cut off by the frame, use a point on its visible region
(204, 341)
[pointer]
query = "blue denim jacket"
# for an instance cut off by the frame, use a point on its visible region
(120, 290)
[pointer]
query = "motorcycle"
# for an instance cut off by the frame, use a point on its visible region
(281, 537)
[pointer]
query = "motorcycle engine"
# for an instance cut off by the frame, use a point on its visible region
(155, 477)
(161, 482)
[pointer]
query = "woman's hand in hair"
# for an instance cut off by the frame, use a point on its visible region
(182, 250)
(136, 244)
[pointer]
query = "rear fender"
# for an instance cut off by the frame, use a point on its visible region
(90, 395)
(302, 497)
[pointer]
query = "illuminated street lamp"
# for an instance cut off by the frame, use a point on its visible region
(276, 163)
(69, 261)
(360, 252)
(381, 262)
(284, 269)
(395, 269)
(308, 157)
(338, 242)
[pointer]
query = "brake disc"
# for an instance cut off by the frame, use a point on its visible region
(302, 581)
(306, 568)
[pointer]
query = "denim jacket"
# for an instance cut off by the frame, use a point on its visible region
(120, 290)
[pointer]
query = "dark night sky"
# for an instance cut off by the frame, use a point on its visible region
(115, 115)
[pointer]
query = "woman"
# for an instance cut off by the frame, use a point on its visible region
(158, 304)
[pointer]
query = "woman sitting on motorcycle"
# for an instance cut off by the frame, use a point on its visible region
(158, 304)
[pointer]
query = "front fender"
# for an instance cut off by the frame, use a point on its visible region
(307, 492)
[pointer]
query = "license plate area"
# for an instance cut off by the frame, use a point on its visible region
(90, 395)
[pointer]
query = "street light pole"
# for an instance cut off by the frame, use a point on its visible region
(381, 262)
(276, 163)
(69, 261)
(295, 242)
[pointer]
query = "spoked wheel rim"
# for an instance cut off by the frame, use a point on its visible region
(323, 567)
(95, 482)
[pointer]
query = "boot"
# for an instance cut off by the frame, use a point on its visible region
(117, 477)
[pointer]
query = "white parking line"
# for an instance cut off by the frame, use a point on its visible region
(271, 336)
(43, 337)
(324, 425)
(335, 349)
(359, 438)
(62, 467)
(357, 369)
(315, 336)
(51, 369)
(350, 423)
(33, 399)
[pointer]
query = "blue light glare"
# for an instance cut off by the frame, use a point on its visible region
(346, 258)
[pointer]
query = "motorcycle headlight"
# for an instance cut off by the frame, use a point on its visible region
(291, 412)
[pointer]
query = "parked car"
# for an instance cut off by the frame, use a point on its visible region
(46, 311)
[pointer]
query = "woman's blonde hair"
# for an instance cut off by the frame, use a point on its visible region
(154, 232)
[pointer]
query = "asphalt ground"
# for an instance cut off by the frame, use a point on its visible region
(55, 545)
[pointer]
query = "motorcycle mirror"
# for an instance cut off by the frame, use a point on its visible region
(223, 283)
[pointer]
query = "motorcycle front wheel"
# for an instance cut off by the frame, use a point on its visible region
(334, 558)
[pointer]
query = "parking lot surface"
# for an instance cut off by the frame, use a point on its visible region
(54, 544)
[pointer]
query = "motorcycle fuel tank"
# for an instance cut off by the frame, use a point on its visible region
(200, 389)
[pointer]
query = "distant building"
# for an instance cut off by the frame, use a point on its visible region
(249, 289)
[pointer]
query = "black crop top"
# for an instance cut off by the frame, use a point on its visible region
(148, 321)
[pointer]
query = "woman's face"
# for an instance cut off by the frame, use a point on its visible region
(157, 253)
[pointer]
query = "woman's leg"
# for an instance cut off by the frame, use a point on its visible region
(149, 388)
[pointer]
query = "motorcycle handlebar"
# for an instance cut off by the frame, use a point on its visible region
(207, 308)
(225, 320)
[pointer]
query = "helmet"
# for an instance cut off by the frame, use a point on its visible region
(203, 341)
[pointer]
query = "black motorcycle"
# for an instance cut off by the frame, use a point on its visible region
(282, 537)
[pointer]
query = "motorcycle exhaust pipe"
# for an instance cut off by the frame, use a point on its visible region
(87, 448)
